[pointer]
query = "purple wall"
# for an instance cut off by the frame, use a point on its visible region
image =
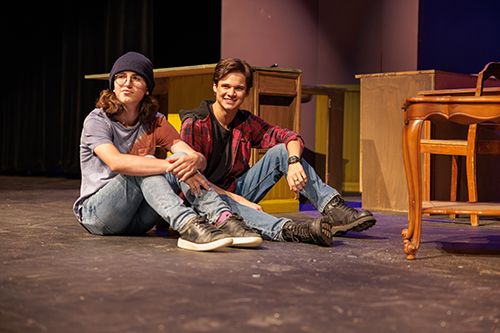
(330, 40)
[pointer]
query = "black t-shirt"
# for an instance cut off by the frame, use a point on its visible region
(219, 163)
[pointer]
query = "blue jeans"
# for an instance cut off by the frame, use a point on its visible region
(260, 178)
(131, 205)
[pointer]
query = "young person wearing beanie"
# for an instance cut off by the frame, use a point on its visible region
(224, 134)
(126, 191)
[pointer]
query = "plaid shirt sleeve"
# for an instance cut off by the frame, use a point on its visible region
(186, 132)
(198, 135)
(266, 136)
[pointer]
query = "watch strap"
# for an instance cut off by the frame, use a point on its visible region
(294, 159)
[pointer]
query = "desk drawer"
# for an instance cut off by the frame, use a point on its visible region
(275, 85)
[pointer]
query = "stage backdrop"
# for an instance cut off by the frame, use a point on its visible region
(49, 46)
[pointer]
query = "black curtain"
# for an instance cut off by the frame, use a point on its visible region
(49, 46)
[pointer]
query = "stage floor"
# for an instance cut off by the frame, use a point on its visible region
(56, 277)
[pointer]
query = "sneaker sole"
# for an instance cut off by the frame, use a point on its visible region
(187, 245)
(246, 241)
(362, 224)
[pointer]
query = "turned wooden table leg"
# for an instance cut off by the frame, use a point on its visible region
(411, 153)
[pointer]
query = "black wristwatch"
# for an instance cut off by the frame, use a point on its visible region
(294, 159)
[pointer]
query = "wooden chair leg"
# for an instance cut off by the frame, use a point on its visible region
(456, 167)
(426, 183)
(427, 172)
(471, 170)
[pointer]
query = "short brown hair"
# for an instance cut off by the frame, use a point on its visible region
(229, 65)
(113, 107)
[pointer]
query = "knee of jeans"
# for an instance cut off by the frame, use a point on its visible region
(280, 148)
(177, 154)
(96, 227)
(92, 223)
(280, 153)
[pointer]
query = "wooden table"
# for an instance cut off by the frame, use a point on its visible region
(456, 106)
(459, 92)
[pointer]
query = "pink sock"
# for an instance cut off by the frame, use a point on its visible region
(223, 217)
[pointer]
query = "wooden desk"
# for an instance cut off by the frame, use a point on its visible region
(463, 110)
(275, 97)
(334, 131)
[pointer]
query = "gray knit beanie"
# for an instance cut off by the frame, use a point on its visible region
(135, 62)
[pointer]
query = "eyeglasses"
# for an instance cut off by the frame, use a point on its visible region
(136, 80)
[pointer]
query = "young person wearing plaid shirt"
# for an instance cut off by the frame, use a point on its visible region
(225, 135)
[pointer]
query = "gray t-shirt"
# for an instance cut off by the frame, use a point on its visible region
(140, 139)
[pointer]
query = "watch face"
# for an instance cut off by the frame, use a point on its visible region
(293, 159)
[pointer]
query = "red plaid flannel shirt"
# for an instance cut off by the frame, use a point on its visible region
(249, 132)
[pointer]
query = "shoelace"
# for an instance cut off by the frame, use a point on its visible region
(296, 232)
(202, 223)
(238, 220)
(343, 206)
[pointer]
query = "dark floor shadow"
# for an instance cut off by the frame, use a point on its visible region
(355, 235)
(484, 245)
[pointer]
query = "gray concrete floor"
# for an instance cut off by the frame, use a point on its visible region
(55, 277)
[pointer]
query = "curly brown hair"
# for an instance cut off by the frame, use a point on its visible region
(113, 107)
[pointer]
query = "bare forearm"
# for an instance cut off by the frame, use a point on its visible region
(137, 166)
(238, 198)
(294, 148)
(218, 190)
(129, 164)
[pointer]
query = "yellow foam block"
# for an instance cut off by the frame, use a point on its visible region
(280, 205)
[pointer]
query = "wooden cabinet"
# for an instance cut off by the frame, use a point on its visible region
(383, 180)
(275, 97)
